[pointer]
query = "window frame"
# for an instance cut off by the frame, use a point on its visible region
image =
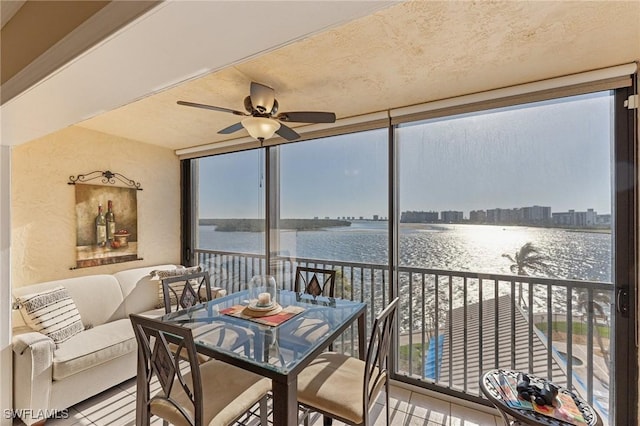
(625, 193)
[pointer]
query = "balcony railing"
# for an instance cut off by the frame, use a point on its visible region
(454, 325)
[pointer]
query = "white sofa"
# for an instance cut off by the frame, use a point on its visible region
(48, 377)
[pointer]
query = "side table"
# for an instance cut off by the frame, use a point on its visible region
(531, 417)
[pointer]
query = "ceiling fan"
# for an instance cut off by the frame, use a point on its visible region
(263, 119)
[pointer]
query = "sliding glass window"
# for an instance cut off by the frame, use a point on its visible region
(329, 210)
(513, 231)
(505, 242)
(230, 213)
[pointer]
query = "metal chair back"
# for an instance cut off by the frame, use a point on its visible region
(376, 361)
(315, 281)
(184, 291)
(156, 357)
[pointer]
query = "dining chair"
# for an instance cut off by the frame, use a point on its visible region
(302, 331)
(191, 394)
(184, 291)
(315, 281)
(345, 388)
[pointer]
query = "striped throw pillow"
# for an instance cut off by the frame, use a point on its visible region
(52, 313)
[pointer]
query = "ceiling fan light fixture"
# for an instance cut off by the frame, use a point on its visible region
(260, 128)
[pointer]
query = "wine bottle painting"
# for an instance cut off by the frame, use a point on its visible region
(107, 225)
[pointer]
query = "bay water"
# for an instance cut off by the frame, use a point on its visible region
(569, 253)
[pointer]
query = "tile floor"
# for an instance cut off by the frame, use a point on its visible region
(116, 407)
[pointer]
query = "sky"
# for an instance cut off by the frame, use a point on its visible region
(554, 153)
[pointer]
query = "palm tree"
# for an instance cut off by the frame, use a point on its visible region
(600, 299)
(527, 259)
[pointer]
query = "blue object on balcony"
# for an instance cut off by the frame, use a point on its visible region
(430, 360)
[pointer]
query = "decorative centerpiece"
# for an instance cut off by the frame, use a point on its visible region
(262, 296)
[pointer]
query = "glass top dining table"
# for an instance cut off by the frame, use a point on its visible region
(278, 352)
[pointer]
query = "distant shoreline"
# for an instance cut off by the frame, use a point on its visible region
(438, 226)
(257, 225)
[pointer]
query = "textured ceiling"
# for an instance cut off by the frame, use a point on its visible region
(408, 53)
(111, 60)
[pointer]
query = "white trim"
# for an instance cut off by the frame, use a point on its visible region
(522, 89)
(6, 370)
(214, 145)
(584, 78)
(88, 35)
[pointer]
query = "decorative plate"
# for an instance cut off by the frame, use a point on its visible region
(260, 311)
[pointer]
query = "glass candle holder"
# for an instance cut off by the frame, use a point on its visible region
(262, 290)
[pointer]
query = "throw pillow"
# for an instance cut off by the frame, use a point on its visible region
(160, 275)
(52, 313)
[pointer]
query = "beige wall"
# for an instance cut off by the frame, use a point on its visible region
(43, 223)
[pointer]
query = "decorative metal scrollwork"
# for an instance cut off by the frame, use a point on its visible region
(108, 177)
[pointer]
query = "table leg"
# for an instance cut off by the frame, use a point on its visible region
(361, 337)
(285, 401)
(260, 346)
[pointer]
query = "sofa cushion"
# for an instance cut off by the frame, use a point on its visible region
(52, 313)
(97, 297)
(93, 347)
(139, 290)
(153, 313)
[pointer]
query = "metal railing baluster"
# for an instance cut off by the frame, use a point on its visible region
(516, 308)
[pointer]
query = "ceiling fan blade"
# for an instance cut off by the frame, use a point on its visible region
(231, 129)
(307, 117)
(214, 108)
(262, 97)
(287, 132)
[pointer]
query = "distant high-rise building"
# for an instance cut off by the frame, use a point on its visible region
(536, 215)
(504, 216)
(451, 216)
(591, 217)
(478, 216)
(375, 217)
(418, 217)
(573, 218)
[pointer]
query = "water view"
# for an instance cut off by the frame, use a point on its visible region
(469, 251)
(572, 254)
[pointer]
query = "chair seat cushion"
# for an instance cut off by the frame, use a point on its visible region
(219, 335)
(303, 330)
(222, 334)
(334, 383)
(92, 347)
(153, 313)
(228, 392)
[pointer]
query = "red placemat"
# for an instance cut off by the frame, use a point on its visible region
(271, 320)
